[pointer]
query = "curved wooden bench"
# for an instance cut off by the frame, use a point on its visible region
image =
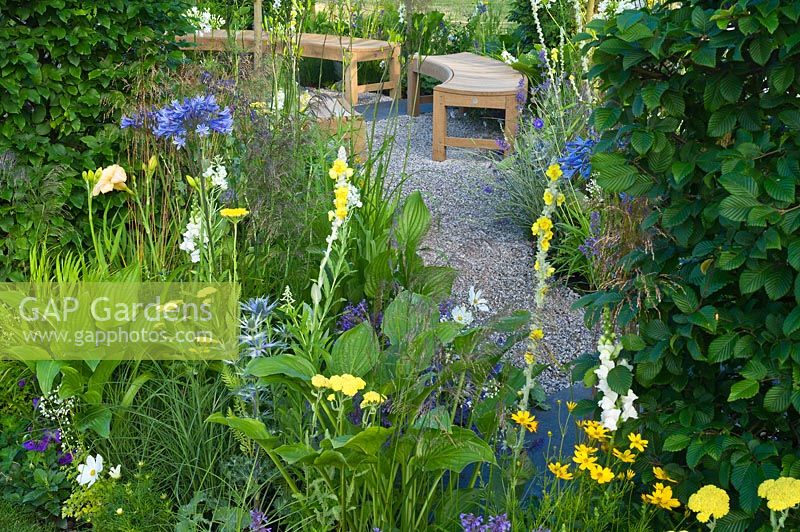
(348, 50)
(468, 80)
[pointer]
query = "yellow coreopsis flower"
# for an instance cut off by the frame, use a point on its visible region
(595, 430)
(585, 449)
(627, 456)
(781, 493)
(584, 460)
(525, 419)
(629, 474)
(660, 474)
(637, 442)
(554, 172)
(601, 474)
(560, 471)
(571, 405)
(709, 501)
(661, 497)
(234, 214)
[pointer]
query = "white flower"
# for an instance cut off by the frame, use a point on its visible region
(218, 174)
(342, 154)
(610, 418)
(115, 472)
(280, 99)
(89, 471)
(461, 315)
(623, 362)
(476, 300)
(628, 409)
(507, 57)
(609, 400)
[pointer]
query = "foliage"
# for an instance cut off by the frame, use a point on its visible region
(21, 519)
(700, 115)
(555, 17)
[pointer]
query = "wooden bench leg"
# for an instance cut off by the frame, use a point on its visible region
(439, 126)
(350, 80)
(412, 107)
(511, 123)
(394, 75)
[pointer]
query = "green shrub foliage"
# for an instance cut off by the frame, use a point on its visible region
(64, 65)
(701, 115)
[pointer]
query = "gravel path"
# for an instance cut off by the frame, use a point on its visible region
(489, 254)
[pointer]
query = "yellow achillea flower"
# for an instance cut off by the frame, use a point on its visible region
(601, 474)
(661, 497)
(351, 385)
(660, 474)
(320, 381)
(571, 405)
(331, 397)
(537, 334)
(627, 456)
(637, 442)
(560, 471)
(547, 197)
(781, 493)
(336, 382)
(554, 172)
(710, 501)
(234, 213)
(524, 418)
(372, 399)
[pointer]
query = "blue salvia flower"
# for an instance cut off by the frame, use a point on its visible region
(200, 115)
(577, 157)
(353, 315)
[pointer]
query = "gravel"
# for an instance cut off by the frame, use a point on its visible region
(490, 254)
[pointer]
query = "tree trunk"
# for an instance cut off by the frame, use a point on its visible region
(258, 22)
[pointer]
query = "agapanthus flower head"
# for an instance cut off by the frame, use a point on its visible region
(577, 157)
(198, 115)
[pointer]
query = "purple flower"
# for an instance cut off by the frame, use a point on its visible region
(503, 145)
(21, 383)
(497, 523)
(354, 315)
(38, 446)
(258, 521)
(590, 247)
(538, 123)
(64, 458)
(138, 120)
(199, 114)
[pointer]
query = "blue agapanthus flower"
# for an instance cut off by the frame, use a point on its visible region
(577, 157)
(138, 120)
(200, 115)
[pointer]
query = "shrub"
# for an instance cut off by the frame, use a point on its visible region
(701, 116)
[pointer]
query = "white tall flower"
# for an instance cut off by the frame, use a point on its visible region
(461, 315)
(477, 301)
(217, 173)
(610, 418)
(88, 472)
(628, 409)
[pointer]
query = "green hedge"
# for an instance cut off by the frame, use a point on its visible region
(65, 66)
(701, 115)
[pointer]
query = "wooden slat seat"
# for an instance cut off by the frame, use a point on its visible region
(348, 50)
(468, 80)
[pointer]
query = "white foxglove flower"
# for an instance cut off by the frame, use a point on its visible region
(88, 472)
(115, 472)
(461, 315)
(477, 301)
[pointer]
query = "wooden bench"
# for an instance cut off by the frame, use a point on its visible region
(468, 80)
(348, 50)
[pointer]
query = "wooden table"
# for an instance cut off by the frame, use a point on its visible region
(348, 50)
(468, 80)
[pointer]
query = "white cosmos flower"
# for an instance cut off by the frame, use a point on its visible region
(476, 300)
(115, 472)
(88, 472)
(461, 315)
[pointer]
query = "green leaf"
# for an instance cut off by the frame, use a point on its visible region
(282, 364)
(252, 428)
(676, 442)
(96, 418)
(614, 173)
(356, 351)
(782, 76)
(46, 372)
(414, 221)
(743, 390)
(778, 282)
(780, 188)
(721, 122)
(633, 342)
(620, 379)
(752, 280)
(777, 399)
(454, 451)
(642, 141)
(605, 117)
(369, 441)
(792, 322)
(721, 348)
(737, 208)
(760, 49)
